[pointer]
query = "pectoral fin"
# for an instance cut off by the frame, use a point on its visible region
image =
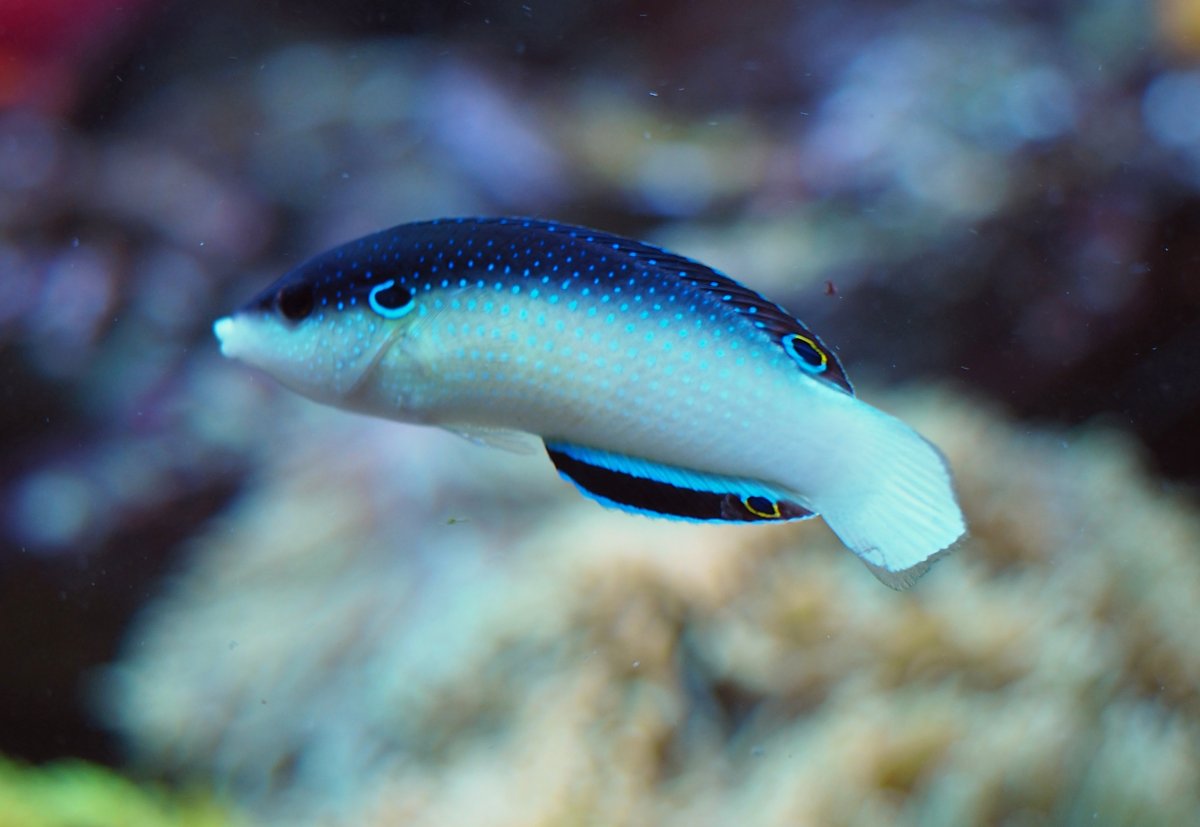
(516, 442)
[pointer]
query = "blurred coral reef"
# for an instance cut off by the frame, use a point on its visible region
(382, 653)
(48, 48)
(1179, 25)
(993, 210)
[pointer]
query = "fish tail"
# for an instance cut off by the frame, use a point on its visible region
(892, 502)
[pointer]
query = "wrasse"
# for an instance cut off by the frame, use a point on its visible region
(658, 385)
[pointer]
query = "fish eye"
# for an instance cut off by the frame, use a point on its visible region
(295, 301)
(806, 353)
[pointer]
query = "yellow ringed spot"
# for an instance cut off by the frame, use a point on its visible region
(806, 352)
(773, 514)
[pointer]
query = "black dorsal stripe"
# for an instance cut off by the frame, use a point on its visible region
(656, 497)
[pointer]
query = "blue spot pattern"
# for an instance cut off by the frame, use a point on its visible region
(556, 263)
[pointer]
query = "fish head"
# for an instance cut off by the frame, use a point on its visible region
(322, 332)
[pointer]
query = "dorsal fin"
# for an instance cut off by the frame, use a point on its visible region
(652, 488)
(788, 332)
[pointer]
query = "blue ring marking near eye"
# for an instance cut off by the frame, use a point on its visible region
(806, 353)
(389, 312)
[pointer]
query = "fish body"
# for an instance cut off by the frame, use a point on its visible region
(657, 384)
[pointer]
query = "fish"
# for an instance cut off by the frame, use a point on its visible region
(656, 384)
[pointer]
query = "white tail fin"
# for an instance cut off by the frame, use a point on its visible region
(893, 504)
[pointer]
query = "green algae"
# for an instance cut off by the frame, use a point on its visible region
(79, 794)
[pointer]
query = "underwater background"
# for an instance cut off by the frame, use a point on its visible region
(224, 605)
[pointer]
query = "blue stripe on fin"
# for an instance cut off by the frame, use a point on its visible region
(645, 487)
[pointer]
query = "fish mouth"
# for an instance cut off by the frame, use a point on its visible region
(223, 330)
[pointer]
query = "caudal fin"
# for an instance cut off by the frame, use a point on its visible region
(894, 504)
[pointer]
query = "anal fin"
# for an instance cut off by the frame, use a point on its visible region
(652, 488)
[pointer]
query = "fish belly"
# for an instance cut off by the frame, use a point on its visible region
(679, 391)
